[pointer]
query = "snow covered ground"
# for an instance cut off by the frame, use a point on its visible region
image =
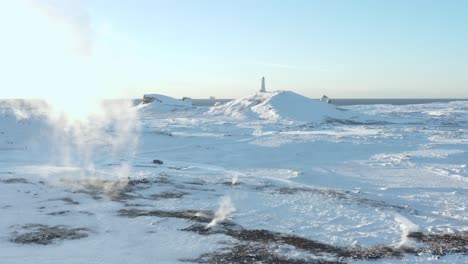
(269, 178)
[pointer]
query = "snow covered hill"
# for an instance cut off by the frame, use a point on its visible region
(281, 105)
(157, 103)
(229, 190)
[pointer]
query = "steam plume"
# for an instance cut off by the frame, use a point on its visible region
(225, 209)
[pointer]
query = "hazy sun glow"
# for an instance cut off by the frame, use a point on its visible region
(75, 52)
(44, 56)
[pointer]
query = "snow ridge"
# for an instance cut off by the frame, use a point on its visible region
(280, 105)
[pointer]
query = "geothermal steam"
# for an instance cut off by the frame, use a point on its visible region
(225, 209)
(61, 57)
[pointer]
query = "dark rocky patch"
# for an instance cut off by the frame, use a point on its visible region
(193, 188)
(94, 194)
(194, 215)
(267, 237)
(162, 180)
(176, 167)
(264, 186)
(64, 212)
(15, 180)
(135, 182)
(334, 121)
(203, 230)
(199, 182)
(250, 253)
(143, 166)
(122, 191)
(115, 190)
(436, 244)
(163, 133)
(381, 204)
(44, 234)
(135, 205)
(123, 195)
(442, 244)
(230, 183)
(168, 195)
(147, 182)
(347, 195)
(86, 213)
(67, 200)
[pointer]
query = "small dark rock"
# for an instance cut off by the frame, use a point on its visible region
(159, 162)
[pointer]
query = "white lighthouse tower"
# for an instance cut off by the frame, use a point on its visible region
(262, 90)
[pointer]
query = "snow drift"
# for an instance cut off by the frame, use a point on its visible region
(281, 105)
(163, 103)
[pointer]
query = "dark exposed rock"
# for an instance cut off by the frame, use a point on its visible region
(134, 182)
(203, 230)
(159, 162)
(86, 213)
(442, 244)
(44, 235)
(163, 133)
(162, 180)
(123, 195)
(267, 237)
(15, 180)
(64, 212)
(67, 200)
(194, 215)
(251, 253)
(116, 190)
(334, 121)
(230, 183)
(198, 182)
(347, 196)
(168, 195)
(193, 187)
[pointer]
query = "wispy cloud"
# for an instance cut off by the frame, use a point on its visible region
(278, 65)
(74, 14)
(295, 67)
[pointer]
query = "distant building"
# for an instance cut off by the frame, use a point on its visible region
(166, 100)
(263, 89)
(325, 99)
(187, 99)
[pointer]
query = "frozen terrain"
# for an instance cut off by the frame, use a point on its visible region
(270, 178)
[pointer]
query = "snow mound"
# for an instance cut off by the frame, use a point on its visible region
(162, 103)
(280, 105)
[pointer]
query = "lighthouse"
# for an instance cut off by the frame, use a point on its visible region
(262, 90)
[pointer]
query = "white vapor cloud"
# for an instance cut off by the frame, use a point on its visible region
(74, 14)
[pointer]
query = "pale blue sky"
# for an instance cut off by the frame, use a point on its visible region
(345, 49)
